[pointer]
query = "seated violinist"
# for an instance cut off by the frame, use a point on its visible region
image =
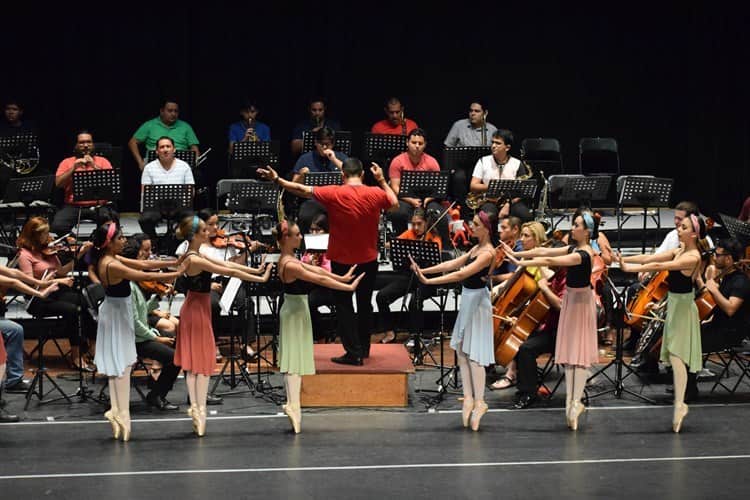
(533, 235)
(150, 341)
(399, 284)
(231, 251)
(36, 259)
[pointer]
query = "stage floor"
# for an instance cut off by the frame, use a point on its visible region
(624, 448)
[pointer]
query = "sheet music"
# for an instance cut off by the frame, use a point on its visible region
(230, 292)
(316, 241)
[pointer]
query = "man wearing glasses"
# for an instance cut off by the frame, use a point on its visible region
(729, 286)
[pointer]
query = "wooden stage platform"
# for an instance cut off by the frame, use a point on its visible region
(383, 380)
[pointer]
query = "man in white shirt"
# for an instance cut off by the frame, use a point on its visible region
(681, 210)
(500, 165)
(166, 169)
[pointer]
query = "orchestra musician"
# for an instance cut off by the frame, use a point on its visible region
(37, 259)
(318, 296)
(317, 120)
(167, 124)
(500, 165)
(12, 332)
(151, 341)
(354, 214)
(84, 159)
(576, 346)
(295, 325)
(474, 131)
(115, 332)
(472, 336)
(730, 290)
(165, 169)
(399, 284)
(414, 159)
(532, 236)
(248, 129)
(681, 343)
(196, 346)
(321, 159)
(394, 123)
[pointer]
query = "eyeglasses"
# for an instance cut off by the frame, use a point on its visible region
(475, 110)
(717, 254)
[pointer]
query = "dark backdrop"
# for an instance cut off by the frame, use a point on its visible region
(670, 86)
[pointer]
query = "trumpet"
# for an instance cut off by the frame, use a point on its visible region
(252, 136)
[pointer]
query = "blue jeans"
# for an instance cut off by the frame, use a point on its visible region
(13, 336)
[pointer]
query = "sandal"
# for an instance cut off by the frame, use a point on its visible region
(503, 382)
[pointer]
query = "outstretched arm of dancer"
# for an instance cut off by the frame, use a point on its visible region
(298, 270)
(684, 262)
(295, 188)
(483, 260)
(203, 264)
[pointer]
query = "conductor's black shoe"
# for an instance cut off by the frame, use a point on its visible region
(7, 418)
(525, 401)
(348, 360)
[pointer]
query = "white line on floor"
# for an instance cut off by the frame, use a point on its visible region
(377, 467)
(316, 411)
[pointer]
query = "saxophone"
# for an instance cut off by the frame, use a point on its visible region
(543, 207)
(476, 200)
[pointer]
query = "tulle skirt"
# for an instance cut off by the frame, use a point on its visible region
(295, 336)
(196, 350)
(473, 330)
(577, 343)
(115, 336)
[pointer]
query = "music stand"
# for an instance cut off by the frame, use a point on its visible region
(512, 188)
(419, 184)
(425, 254)
(324, 178)
(248, 156)
(14, 148)
(342, 141)
(96, 185)
(643, 192)
(463, 157)
(167, 199)
(382, 148)
(27, 193)
(618, 386)
(579, 190)
(736, 228)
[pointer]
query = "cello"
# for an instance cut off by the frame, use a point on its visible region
(653, 292)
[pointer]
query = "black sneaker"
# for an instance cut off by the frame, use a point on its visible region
(7, 418)
(20, 387)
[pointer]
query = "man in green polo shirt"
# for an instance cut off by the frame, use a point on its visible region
(166, 124)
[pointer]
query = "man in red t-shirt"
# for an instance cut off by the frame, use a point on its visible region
(84, 159)
(353, 215)
(414, 159)
(394, 123)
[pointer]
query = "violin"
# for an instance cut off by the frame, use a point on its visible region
(156, 287)
(66, 244)
(221, 240)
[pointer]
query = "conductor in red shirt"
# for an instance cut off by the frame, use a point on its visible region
(353, 214)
